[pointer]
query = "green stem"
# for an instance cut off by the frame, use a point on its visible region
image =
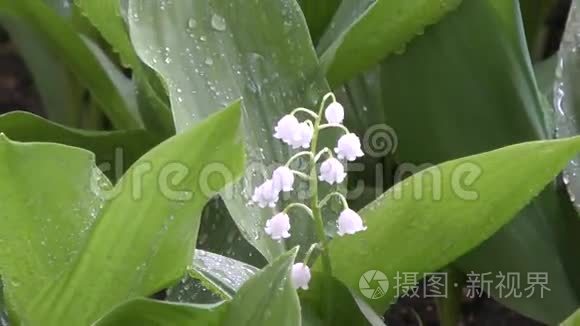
(335, 125)
(297, 156)
(334, 194)
(449, 308)
(310, 113)
(316, 213)
(298, 205)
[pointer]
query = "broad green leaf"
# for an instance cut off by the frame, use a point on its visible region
(66, 44)
(215, 272)
(362, 33)
(566, 97)
(431, 218)
(147, 312)
(115, 151)
(192, 290)
(450, 76)
(227, 273)
(48, 208)
(210, 52)
(573, 320)
(345, 309)
(146, 229)
(483, 86)
(268, 298)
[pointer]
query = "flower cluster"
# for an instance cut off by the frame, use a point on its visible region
(304, 134)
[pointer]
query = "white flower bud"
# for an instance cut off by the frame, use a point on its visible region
(349, 222)
(283, 179)
(266, 194)
(300, 276)
(278, 226)
(349, 147)
(334, 113)
(286, 128)
(332, 171)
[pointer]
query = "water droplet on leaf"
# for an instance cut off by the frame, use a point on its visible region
(218, 22)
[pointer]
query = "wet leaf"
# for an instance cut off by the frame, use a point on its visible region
(115, 151)
(362, 33)
(215, 272)
(210, 52)
(433, 217)
(147, 312)
(573, 320)
(268, 298)
(482, 84)
(146, 230)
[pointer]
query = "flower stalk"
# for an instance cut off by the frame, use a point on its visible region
(316, 212)
(305, 134)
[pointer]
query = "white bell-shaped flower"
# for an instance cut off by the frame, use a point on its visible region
(283, 179)
(349, 147)
(349, 222)
(302, 137)
(278, 226)
(332, 171)
(287, 128)
(300, 276)
(334, 113)
(266, 195)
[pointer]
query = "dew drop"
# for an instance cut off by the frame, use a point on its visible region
(208, 61)
(218, 23)
(191, 23)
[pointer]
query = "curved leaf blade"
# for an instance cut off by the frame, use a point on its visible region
(482, 84)
(114, 150)
(210, 52)
(146, 229)
(147, 312)
(269, 298)
(48, 225)
(362, 33)
(431, 211)
(573, 320)
(220, 274)
(266, 299)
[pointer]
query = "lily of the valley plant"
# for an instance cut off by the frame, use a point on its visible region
(304, 134)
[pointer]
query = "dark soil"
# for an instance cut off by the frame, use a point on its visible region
(17, 90)
(474, 312)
